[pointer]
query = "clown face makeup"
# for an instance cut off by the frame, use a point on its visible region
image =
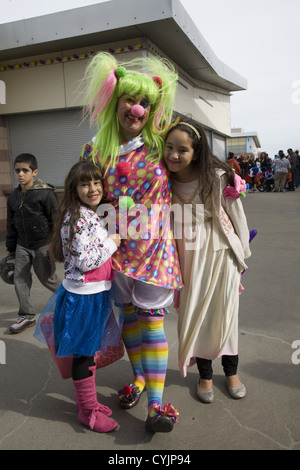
(133, 113)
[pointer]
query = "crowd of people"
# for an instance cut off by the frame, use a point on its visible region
(140, 159)
(282, 173)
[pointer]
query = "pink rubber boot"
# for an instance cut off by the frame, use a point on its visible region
(89, 415)
(104, 409)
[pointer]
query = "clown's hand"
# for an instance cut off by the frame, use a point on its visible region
(115, 237)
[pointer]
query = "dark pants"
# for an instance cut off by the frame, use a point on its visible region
(44, 268)
(80, 367)
(229, 363)
(296, 176)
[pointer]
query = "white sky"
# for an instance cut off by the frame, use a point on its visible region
(259, 39)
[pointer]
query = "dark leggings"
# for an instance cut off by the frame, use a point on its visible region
(80, 367)
(229, 363)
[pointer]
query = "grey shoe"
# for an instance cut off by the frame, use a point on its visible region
(206, 396)
(237, 392)
(21, 324)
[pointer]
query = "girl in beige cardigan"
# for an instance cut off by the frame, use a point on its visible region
(213, 243)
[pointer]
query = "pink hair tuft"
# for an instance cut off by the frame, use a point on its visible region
(104, 94)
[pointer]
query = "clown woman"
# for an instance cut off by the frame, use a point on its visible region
(130, 104)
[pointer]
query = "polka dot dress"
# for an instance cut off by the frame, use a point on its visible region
(148, 252)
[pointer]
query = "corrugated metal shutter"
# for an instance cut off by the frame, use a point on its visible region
(55, 138)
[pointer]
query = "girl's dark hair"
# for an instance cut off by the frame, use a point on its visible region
(206, 162)
(81, 171)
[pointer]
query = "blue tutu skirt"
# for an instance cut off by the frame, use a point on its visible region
(81, 324)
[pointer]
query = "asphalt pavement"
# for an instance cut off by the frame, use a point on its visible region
(37, 407)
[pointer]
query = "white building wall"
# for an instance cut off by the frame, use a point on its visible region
(50, 86)
(57, 85)
(212, 110)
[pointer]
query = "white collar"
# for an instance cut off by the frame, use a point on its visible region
(130, 145)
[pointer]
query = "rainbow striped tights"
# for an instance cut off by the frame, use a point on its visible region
(147, 348)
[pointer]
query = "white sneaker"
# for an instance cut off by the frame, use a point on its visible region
(21, 324)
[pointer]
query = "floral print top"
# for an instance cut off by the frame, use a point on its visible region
(92, 250)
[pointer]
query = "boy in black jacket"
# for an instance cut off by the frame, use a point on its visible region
(30, 212)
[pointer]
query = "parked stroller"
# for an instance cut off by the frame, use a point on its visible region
(266, 181)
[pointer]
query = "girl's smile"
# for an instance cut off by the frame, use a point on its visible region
(179, 154)
(90, 193)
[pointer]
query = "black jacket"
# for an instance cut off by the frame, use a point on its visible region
(30, 216)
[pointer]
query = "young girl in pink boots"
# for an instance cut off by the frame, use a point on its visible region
(82, 303)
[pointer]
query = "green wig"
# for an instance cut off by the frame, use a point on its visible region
(107, 81)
